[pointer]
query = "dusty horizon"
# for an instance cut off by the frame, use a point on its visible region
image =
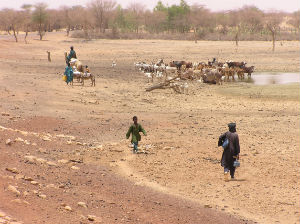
(214, 5)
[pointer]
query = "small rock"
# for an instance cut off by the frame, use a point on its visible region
(27, 142)
(99, 147)
(46, 138)
(50, 186)
(25, 133)
(82, 204)
(2, 214)
(30, 159)
(75, 168)
(207, 206)
(50, 163)
(13, 170)
(168, 148)
(13, 189)
(34, 182)
(28, 178)
(19, 139)
(5, 114)
(68, 208)
(25, 193)
(34, 144)
(42, 196)
(63, 161)
(91, 217)
(8, 142)
(41, 160)
(19, 176)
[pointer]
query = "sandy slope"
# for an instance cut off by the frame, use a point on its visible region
(182, 159)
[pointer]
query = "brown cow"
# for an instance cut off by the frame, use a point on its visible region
(249, 70)
(240, 73)
(236, 64)
(178, 64)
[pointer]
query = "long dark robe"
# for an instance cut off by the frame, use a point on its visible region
(232, 150)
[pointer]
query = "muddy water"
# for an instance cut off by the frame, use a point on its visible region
(273, 78)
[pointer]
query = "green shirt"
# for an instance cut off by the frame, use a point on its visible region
(135, 130)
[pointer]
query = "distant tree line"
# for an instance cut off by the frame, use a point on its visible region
(106, 17)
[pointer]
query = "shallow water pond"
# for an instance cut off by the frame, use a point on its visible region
(273, 78)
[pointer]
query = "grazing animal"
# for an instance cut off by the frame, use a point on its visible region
(149, 75)
(178, 64)
(184, 88)
(240, 73)
(228, 72)
(249, 70)
(236, 64)
(212, 76)
(160, 62)
(86, 76)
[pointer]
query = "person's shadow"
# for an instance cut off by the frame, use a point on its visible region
(238, 180)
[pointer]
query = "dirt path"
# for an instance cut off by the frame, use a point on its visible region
(47, 175)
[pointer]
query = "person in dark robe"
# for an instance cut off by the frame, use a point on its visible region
(231, 152)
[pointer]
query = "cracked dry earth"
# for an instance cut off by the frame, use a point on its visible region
(64, 158)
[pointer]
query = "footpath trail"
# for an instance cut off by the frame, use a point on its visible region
(43, 179)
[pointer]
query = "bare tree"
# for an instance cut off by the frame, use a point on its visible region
(67, 18)
(136, 13)
(201, 20)
(295, 20)
(14, 21)
(101, 10)
(39, 17)
(272, 22)
(222, 20)
(155, 21)
(235, 22)
(252, 18)
(26, 19)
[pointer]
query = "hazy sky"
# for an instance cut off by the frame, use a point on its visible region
(214, 5)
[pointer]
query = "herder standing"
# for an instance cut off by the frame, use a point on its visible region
(231, 152)
(72, 54)
(135, 130)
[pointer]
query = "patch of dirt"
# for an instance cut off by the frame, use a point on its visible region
(71, 140)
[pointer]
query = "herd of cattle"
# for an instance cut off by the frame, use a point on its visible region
(212, 72)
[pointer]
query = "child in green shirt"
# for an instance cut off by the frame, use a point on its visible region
(135, 130)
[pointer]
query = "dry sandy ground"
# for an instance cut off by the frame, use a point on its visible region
(180, 172)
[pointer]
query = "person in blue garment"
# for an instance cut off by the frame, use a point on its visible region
(69, 74)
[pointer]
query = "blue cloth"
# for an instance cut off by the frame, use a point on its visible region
(69, 74)
(135, 146)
